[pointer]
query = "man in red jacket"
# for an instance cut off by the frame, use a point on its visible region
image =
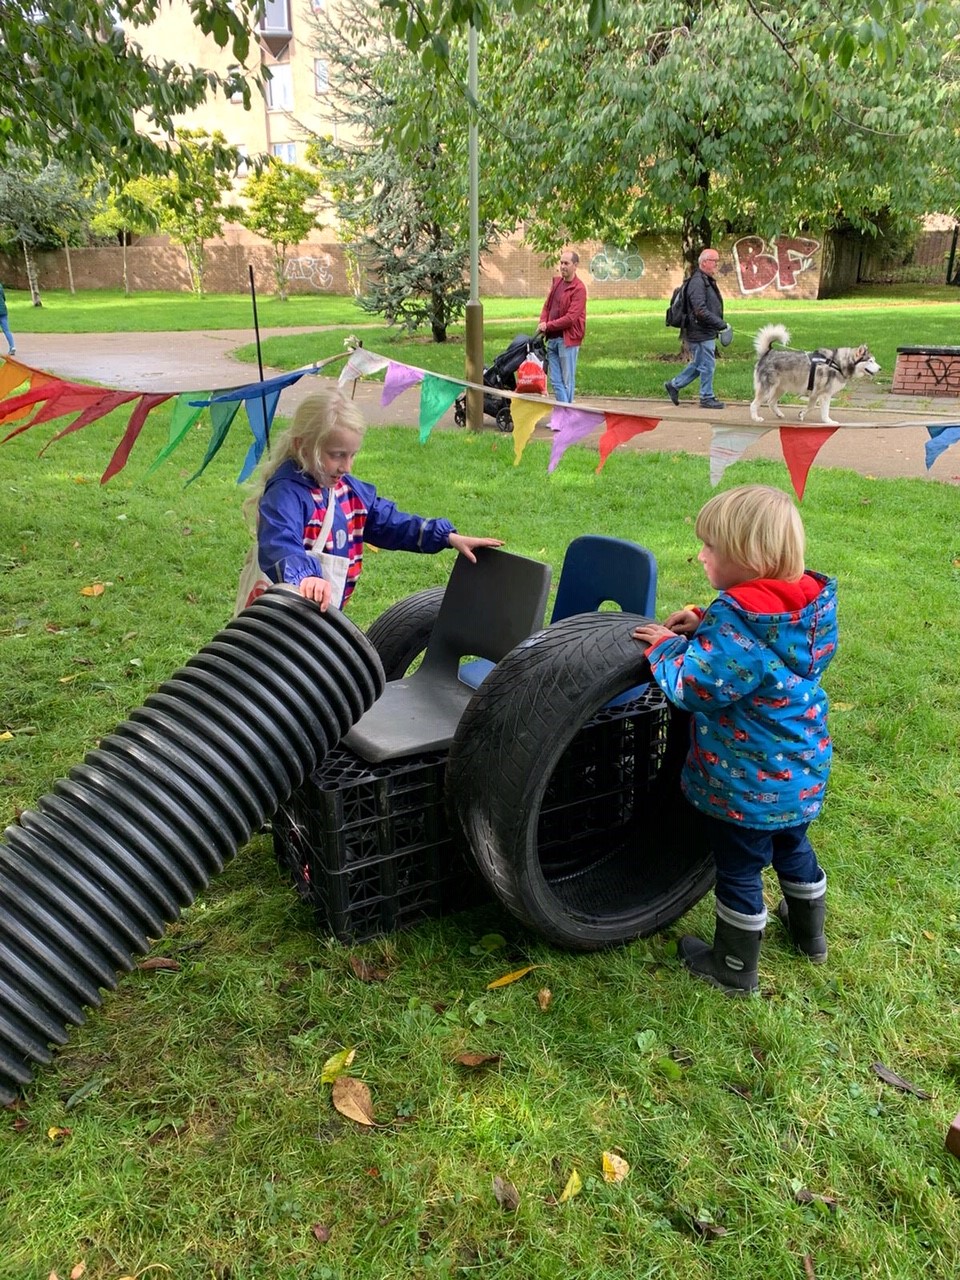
(562, 322)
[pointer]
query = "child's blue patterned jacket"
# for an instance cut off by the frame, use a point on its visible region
(760, 750)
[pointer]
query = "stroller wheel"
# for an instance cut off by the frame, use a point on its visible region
(460, 412)
(504, 419)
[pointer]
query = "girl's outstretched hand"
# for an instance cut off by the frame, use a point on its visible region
(318, 589)
(464, 546)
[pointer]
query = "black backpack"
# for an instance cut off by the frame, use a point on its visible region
(677, 310)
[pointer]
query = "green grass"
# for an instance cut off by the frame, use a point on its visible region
(205, 1145)
(628, 351)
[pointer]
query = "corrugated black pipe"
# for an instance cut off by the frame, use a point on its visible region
(119, 847)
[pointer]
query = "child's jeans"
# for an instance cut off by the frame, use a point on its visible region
(741, 853)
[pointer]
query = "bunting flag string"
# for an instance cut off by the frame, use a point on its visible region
(30, 397)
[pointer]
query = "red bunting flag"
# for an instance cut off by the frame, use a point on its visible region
(800, 446)
(618, 429)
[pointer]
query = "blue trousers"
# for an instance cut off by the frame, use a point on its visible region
(5, 326)
(562, 367)
(741, 853)
(703, 361)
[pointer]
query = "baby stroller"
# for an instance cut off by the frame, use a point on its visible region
(500, 376)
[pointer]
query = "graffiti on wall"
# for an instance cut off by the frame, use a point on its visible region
(611, 265)
(312, 271)
(761, 263)
(946, 374)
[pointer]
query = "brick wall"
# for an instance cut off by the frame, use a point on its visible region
(927, 371)
(651, 268)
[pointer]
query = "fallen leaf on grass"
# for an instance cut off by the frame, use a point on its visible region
(515, 976)
(6, 736)
(508, 1197)
(475, 1060)
(574, 1187)
(21, 1123)
(337, 1065)
(67, 679)
(709, 1230)
(52, 627)
(158, 962)
(804, 1196)
(56, 1133)
(898, 1082)
(366, 971)
(78, 1271)
(95, 589)
(930, 937)
(615, 1168)
(86, 1090)
(808, 1270)
(352, 1099)
(544, 999)
(321, 1231)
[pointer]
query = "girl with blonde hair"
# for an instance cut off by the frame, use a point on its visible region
(314, 516)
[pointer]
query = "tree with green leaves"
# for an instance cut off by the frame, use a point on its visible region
(278, 200)
(122, 214)
(40, 205)
(406, 210)
(77, 86)
(690, 119)
(189, 203)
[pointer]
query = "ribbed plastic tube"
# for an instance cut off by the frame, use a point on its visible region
(118, 848)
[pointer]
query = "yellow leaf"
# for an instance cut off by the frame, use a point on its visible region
(615, 1168)
(95, 590)
(841, 706)
(56, 1134)
(352, 1099)
(544, 999)
(6, 736)
(337, 1065)
(66, 679)
(511, 977)
(928, 935)
(574, 1187)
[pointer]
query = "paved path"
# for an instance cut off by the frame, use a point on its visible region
(202, 359)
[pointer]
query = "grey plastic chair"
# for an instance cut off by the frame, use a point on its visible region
(487, 609)
(595, 569)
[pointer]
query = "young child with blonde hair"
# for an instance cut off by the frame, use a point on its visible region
(748, 670)
(314, 515)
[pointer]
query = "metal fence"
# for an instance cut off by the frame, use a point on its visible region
(935, 260)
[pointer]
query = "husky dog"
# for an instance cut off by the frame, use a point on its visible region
(817, 374)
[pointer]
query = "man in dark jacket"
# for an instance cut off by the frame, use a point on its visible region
(703, 321)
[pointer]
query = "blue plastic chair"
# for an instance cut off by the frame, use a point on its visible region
(595, 569)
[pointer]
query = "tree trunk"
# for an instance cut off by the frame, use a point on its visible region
(66, 250)
(123, 247)
(280, 270)
(32, 279)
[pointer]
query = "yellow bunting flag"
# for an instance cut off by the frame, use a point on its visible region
(526, 414)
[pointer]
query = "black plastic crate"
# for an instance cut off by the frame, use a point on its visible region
(370, 847)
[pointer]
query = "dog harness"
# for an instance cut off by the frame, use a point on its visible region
(817, 358)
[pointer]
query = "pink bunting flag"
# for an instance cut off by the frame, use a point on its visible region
(399, 378)
(619, 428)
(109, 400)
(570, 426)
(728, 445)
(800, 446)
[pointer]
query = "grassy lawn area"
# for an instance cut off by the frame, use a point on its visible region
(184, 1129)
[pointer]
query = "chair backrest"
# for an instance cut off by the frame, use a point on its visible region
(596, 569)
(487, 609)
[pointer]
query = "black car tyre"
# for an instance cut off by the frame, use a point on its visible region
(401, 632)
(520, 751)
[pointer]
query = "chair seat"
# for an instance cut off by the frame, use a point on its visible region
(487, 609)
(413, 716)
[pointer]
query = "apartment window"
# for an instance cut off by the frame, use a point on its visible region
(321, 76)
(284, 151)
(280, 87)
(275, 15)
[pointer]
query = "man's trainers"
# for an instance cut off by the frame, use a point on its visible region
(672, 392)
(712, 403)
